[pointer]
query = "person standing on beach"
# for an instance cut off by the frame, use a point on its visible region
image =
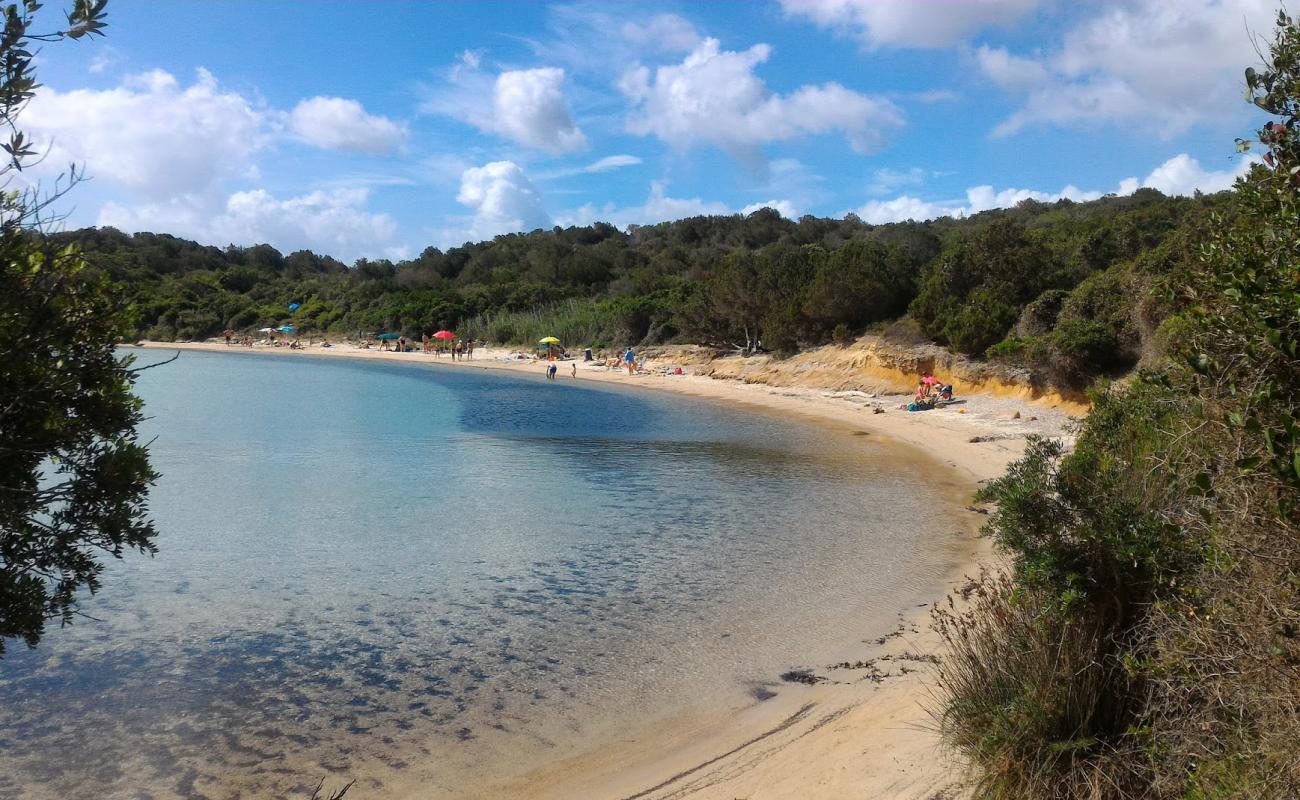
(550, 372)
(574, 374)
(630, 358)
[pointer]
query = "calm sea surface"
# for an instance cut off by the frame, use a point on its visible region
(379, 571)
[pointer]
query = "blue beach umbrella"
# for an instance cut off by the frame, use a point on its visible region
(288, 329)
(293, 307)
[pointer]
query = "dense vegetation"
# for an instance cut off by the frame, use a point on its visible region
(1058, 287)
(1146, 643)
(73, 477)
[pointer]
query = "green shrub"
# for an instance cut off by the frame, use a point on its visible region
(1040, 316)
(1077, 351)
(980, 323)
(1034, 699)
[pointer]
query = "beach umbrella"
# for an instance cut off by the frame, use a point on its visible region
(293, 307)
(389, 336)
(444, 335)
(288, 329)
(267, 330)
(930, 379)
(548, 340)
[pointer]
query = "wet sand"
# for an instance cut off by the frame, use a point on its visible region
(861, 730)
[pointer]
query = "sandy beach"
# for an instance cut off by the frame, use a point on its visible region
(861, 730)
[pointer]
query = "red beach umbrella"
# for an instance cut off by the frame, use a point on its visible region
(444, 335)
(930, 379)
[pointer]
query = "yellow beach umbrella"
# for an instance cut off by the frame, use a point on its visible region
(548, 340)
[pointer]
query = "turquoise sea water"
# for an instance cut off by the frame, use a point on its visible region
(371, 570)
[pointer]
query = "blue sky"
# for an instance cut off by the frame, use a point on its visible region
(381, 128)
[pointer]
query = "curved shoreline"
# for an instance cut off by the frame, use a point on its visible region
(858, 736)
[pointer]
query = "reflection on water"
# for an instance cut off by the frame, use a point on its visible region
(380, 571)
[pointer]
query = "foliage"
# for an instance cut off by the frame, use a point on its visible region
(1162, 555)
(972, 294)
(756, 282)
(73, 478)
(1033, 696)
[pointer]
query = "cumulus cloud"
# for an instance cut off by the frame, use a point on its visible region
(503, 200)
(151, 134)
(1149, 63)
(168, 154)
(1184, 175)
(1180, 175)
(882, 23)
(337, 123)
(334, 222)
(713, 96)
(531, 109)
(527, 106)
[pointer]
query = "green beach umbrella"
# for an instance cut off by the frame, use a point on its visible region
(389, 336)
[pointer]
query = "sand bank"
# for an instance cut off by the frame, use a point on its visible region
(861, 730)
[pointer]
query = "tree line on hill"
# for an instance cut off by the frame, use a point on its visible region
(1060, 288)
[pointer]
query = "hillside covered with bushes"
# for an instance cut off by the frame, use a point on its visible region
(1062, 288)
(1146, 641)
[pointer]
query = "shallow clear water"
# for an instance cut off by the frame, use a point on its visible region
(374, 570)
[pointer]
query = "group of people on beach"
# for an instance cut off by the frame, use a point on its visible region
(233, 339)
(459, 350)
(929, 393)
(628, 359)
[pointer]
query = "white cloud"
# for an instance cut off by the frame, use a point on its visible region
(661, 207)
(978, 198)
(886, 180)
(337, 123)
(1180, 175)
(900, 23)
(106, 58)
(1184, 175)
(611, 163)
(150, 134)
(527, 106)
(1151, 64)
(714, 97)
(503, 201)
(531, 109)
(606, 164)
(1011, 71)
(604, 41)
(335, 222)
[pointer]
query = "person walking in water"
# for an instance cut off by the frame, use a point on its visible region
(630, 359)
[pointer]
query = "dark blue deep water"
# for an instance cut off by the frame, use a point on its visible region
(375, 570)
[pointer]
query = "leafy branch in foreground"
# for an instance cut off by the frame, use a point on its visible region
(73, 477)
